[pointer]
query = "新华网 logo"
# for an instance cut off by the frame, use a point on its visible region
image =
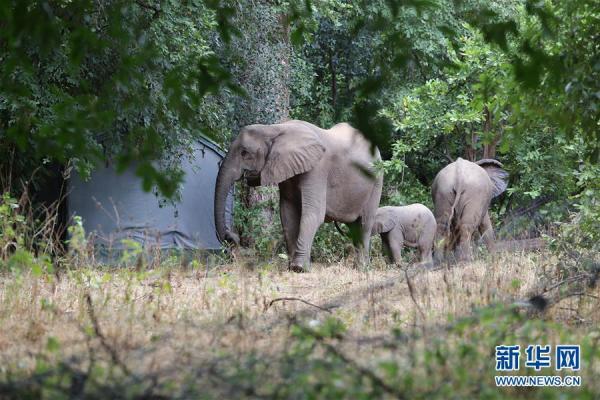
(538, 357)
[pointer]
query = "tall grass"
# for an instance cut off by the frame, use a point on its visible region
(227, 330)
(71, 328)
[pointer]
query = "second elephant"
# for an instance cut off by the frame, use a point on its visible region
(412, 226)
(462, 192)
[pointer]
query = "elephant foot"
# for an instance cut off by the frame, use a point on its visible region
(299, 264)
(232, 237)
(425, 264)
(298, 268)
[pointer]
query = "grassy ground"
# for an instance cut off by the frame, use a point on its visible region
(255, 330)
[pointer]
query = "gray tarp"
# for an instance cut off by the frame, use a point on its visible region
(114, 206)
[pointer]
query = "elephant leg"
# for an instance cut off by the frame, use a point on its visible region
(440, 241)
(385, 240)
(425, 243)
(366, 224)
(487, 232)
(367, 220)
(311, 217)
(425, 254)
(290, 222)
(443, 231)
(463, 250)
(396, 241)
(361, 237)
(309, 223)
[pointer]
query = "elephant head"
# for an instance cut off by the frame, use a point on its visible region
(265, 155)
(497, 175)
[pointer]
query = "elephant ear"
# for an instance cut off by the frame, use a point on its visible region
(385, 221)
(497, 174)
(296, 150)
(382, 226)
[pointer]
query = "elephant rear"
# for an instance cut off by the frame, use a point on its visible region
(461, 193)
(424, 225)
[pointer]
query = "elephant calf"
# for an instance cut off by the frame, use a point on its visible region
(412, 226)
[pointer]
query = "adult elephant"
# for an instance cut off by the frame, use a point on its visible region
(321, 176)
(462, 192)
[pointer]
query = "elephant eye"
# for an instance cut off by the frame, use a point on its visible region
(244, 153)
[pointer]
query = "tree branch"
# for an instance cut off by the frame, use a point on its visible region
(150, 7)
(114, 355)
(297, 299)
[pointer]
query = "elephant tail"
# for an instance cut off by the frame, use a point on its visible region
(453, 209)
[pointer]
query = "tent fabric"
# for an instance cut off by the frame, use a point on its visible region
(114, 207)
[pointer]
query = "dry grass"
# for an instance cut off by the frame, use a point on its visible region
(159, 322)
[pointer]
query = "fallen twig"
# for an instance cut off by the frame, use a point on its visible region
(567, 280)
(297, 299)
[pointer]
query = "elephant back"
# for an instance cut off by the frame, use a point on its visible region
(352, 141)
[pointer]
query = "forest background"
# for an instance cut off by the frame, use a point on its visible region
(426, 81)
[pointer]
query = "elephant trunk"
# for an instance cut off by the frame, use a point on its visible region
(228, 174)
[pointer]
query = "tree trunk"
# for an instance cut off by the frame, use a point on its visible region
(471, 147)
(489, 149)
(282, 100)
(265, 49)
(333, 82)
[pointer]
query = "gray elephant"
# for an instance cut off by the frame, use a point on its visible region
(321, 177)
(462, 192)
(412, 226)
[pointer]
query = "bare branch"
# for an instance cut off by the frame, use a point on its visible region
(297, 299)
(113, 353)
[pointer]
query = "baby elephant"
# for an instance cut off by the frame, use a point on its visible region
(413, 226)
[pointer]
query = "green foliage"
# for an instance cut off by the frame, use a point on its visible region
(257, 225)
(556, 59)
(579, 237)
(454, 79)
(478, 107)
(330, 245)
(12, 224)
(427, 81)
(265, 239)
(23, 245)
(258, 58)
(132, 250)
(77, 242)
(23, 260)
(88, 81)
